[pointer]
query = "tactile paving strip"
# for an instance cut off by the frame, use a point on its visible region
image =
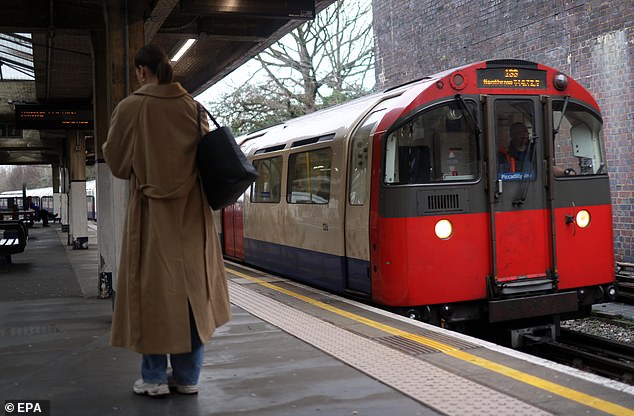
(29, 331)
(430, 385)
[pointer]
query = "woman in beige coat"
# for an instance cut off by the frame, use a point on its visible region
(171, 290)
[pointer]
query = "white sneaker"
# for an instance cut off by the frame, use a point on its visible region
(151, 389)
(181, 388)
(185, 389)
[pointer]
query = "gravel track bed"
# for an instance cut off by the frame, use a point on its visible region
(615, 329)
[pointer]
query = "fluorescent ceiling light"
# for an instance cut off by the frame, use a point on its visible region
(188, 44)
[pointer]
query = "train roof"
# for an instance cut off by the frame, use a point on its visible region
(327, 122)
(321, 124)
(335, 122)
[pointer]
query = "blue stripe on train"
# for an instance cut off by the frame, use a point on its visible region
(359, 275)
(322, 270)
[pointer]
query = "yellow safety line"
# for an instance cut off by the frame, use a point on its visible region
(568, 393)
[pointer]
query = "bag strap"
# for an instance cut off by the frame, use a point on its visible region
(200, 106)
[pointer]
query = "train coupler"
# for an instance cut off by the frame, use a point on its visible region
(523, 337)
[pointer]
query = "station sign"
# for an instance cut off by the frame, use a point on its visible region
(513, 78)
(53, 117)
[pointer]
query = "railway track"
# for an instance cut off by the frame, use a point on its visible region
(625, 281)
(590, 353)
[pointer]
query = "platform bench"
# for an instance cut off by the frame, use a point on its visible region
(13, 236)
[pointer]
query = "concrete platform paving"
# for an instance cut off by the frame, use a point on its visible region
(54, 345)
(614, 310)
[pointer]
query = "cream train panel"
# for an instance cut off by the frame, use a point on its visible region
(316, 227)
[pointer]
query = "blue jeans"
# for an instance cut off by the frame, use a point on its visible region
(186, 367)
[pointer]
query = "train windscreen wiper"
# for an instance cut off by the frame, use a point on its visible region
(563, 113)
(471, 116)
(530, 155)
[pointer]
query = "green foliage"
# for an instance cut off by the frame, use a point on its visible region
(340, 97)
(254, 107)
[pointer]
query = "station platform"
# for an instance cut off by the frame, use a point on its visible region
(289, 350)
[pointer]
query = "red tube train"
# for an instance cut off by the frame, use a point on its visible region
(478, 195)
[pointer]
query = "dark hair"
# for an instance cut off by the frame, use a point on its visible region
(517, 128)
(156, 60)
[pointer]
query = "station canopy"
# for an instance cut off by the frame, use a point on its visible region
(46, 54)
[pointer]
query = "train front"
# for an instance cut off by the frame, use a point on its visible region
(491, 202)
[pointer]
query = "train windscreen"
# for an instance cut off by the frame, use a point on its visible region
(579, 143)
(437, 145)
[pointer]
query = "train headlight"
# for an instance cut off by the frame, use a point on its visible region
(443, 229)
(582, 219)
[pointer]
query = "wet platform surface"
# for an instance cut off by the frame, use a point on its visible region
(54, 345)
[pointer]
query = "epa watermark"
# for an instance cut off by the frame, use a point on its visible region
(27, 408)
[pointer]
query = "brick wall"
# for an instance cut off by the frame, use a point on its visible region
(592, 41)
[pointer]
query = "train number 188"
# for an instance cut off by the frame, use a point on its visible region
(511, 73)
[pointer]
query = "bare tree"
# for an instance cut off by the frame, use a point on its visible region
(13, 177)
(334, 51)
(324, 62)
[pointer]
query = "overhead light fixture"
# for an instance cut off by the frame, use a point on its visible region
(181, 51)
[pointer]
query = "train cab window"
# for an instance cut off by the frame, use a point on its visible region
(437, 145)
(267, 187)
(309, 177)
(516, 140)
(579, 147)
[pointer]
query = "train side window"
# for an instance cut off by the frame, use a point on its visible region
(358, 170)
(309, 177)
(579, 145)
(436, 145)
(267, 187)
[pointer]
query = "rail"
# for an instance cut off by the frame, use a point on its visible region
(590, 353)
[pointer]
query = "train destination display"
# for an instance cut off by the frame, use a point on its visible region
(516, 78)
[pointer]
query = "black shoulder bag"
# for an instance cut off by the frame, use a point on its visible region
(225, 171)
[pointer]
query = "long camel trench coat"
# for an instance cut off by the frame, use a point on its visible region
(170, 253)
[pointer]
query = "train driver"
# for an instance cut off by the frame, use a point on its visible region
(517, 157)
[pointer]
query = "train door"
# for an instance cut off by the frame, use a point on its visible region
(357, 234)
(233, 230)
(520, 220)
